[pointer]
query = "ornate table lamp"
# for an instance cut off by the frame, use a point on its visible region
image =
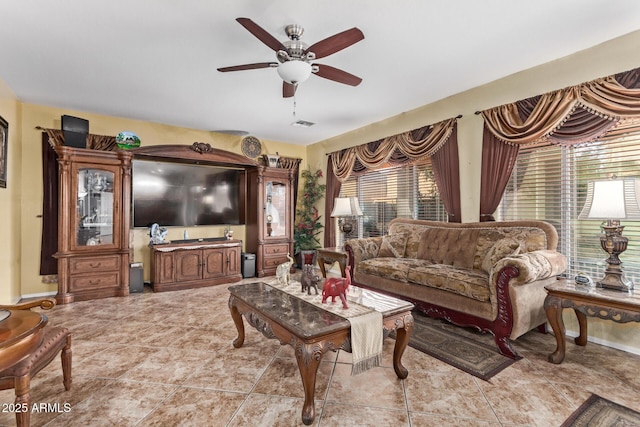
(345, 208)
(613, 200)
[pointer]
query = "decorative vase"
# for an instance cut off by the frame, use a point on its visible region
(126, 140)
(272, 160)
(308, 257)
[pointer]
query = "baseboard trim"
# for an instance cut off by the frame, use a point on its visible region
(606, 343)
(40, 295)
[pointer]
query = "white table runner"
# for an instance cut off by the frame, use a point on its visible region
(366, 324)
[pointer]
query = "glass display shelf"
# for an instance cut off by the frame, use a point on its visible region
(94, 207)
(276, 209)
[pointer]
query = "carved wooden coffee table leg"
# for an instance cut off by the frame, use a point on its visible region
(582, 322)
(402, 339)
(237, 319)
(308, 357)
(553, 308)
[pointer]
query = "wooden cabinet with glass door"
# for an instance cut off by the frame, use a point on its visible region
(270, 217)
(93, 216)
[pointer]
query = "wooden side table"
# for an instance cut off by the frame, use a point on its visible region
(329, 256)
(621, 307)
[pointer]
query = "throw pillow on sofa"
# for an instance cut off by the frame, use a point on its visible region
(393, 245)
(501, 249)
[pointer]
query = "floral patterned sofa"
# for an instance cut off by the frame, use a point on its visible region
(488, 275)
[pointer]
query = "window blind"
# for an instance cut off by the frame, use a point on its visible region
(549, 182)
(393, 192)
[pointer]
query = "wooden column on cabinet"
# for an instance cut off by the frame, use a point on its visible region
(270, 217)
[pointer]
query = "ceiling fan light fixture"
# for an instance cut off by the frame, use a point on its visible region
(294, 71)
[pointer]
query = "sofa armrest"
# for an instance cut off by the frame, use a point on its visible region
(363, 248)
(533, 265)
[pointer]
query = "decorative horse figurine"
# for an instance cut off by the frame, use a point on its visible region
(337, 287)
(283, 271)
(309, 279)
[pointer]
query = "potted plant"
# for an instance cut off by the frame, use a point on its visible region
(308, 224)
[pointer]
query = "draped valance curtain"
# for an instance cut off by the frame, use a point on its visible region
(94, 142)
(573, 115)
(438, 141)
(393, 150)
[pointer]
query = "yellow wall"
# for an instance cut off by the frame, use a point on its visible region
(10, 202)
(150, 134)
(608, 58)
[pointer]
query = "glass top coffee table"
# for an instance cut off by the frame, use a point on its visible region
(312, 331)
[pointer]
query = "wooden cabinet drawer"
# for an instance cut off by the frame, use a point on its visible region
(275, 250)
(274, 261)
(94, 281)
(81, 265)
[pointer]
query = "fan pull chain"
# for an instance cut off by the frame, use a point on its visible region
(294, 106)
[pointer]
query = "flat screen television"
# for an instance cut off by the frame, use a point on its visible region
(186, 195)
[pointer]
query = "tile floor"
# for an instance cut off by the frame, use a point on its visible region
(166, 359)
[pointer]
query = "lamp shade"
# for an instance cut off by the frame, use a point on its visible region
(294, 71)
(612, 199)
(346, 206)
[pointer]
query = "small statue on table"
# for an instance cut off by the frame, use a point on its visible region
(337, 287)
(283, 271)
(310, 278)
(158, 234)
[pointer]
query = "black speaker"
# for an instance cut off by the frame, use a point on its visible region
(136, 279)
(75, 131)
(248, 265)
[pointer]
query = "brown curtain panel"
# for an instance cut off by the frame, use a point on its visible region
(52, 138)
(573, 115)
(49, 238)
(332, 191)
(446, 169)
(498, 160)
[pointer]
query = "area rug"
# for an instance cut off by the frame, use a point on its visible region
(597, 411)
(455, 346)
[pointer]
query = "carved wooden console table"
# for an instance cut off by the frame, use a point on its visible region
(312, 331)
(621, 307)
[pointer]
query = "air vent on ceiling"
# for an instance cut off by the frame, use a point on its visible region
(302, 123)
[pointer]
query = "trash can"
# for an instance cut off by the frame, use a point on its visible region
(136, 277)
(248, 265)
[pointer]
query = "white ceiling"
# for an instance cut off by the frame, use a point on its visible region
(156, 60)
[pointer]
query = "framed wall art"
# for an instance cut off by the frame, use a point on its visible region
(4, 137)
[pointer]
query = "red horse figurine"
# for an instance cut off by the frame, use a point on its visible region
(337, 287)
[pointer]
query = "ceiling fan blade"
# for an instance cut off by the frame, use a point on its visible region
(261, 34)
(249, 66)
(288, 90)
(336, 43)
(336, 75)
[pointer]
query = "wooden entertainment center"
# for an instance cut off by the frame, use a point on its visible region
(94, 208)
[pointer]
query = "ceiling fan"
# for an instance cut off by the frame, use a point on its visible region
(295, 57)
